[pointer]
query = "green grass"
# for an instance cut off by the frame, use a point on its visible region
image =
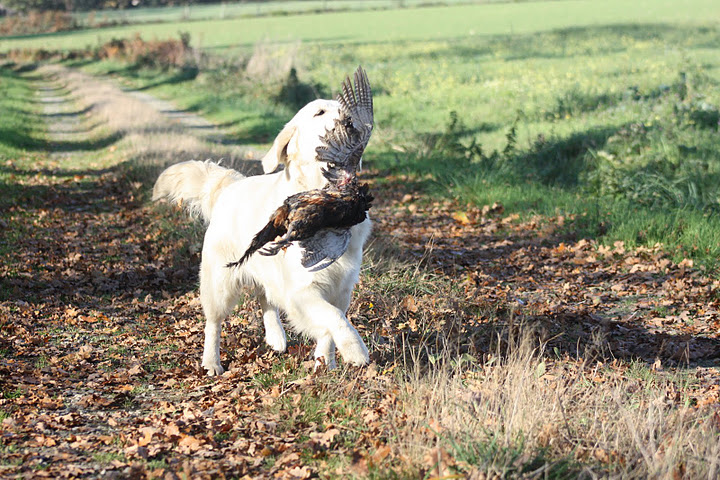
(22, 138)
(513, 461)
(322, 401)
(608, 115)
(240, 9)
(11, 394)
(22, 127)
(614, 125)
(108, 457)
(282, 371)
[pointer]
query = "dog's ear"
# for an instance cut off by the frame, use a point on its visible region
(279, 151)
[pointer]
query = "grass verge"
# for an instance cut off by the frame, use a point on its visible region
(614, 130)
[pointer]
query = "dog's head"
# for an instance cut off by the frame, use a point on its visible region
(295, 146)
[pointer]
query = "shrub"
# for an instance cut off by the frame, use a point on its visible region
(35, 22)
(296, 94)
(162, 54)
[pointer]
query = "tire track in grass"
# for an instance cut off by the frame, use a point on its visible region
(196, 124)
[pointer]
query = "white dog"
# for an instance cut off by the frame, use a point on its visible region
(236, 208)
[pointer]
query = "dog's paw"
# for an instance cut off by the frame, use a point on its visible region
(354, 352)
(276, 340)
(321, 362)
(213, 368)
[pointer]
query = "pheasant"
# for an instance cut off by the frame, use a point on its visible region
(320, 219)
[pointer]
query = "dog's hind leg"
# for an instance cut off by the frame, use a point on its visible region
(217, 302)
(274, 331)
(211, 352)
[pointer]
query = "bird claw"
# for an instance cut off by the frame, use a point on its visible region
(273, 248)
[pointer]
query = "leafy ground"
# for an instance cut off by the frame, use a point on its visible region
(502, 346)
(540, 295)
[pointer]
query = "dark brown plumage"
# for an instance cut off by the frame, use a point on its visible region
(304, 214)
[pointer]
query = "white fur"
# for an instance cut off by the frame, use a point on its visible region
(236, 208)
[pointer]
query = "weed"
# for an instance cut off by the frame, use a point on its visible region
(108, 457)
(37, 22)
(161, 54)
(269, 461)
(282, 371)
(295, 94)
(41, 362)
(12, 394)
(139, 390)
(156, 464)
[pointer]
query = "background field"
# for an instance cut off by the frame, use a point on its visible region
(541, 295)
(412, 24)
(613, 109)
(246, 9)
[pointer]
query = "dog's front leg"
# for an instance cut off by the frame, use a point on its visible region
(325, 349)
(314, 315)
(216, 307)
(274, 331)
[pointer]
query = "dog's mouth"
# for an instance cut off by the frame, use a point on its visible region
(344, 179)
(339, 176)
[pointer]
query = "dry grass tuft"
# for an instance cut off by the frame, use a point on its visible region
(511, 414)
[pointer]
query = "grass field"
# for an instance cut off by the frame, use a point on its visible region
(413, 24)
(613, 110)
(220, 11)
(540, 297)
(21, 135)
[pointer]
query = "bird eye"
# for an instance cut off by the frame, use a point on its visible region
(331, 165)
(320, 112)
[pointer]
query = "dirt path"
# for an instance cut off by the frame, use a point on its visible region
(62, 125)
(151, 130)
(192, 123)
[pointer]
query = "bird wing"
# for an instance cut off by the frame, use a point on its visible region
(346, 142)
(326, 246)
(358, 102)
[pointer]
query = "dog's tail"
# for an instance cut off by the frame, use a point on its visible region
(195, 185)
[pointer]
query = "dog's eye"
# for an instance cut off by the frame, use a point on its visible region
(320, 112)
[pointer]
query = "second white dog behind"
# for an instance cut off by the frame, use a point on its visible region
(235, 208)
